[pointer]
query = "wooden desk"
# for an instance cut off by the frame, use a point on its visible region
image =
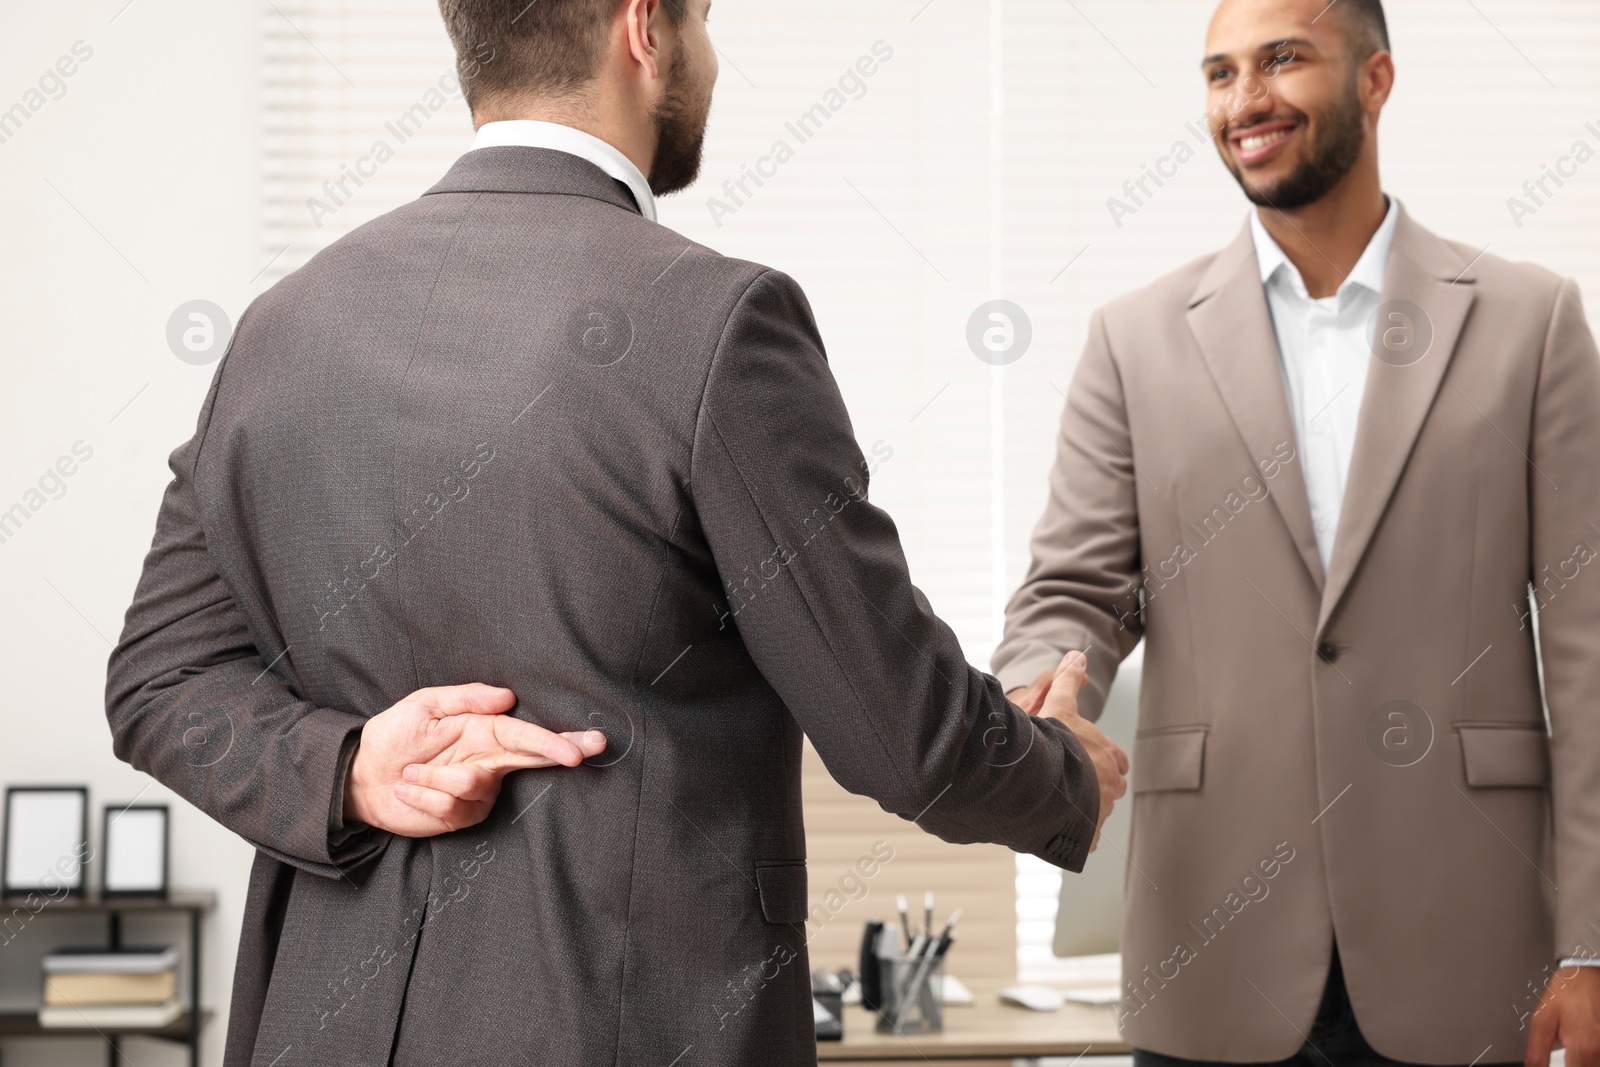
(987, 1033)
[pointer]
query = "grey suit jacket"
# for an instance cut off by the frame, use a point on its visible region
(515, 433)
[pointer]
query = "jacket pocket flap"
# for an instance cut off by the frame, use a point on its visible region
(783, 892)
(1505, 755)
(1171, 759)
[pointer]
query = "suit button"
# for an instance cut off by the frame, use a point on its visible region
(1328, 651)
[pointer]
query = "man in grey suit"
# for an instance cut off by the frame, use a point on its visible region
(517, 448)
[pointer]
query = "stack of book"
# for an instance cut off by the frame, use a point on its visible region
(102, 988)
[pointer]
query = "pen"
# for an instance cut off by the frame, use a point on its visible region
(918, 944)
(927, 907)
(915, 989)
(935, 952)
(905, 918)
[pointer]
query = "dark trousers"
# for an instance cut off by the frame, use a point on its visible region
(1334, 1041)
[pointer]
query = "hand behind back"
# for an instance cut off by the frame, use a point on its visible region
(434, 762)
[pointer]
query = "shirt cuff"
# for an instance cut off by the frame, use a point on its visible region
(339, 832)
(1580, 961)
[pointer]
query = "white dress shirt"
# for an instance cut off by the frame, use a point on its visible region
(531, 133)
(1325, 346)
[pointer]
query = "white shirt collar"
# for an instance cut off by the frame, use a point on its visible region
(531, 133)
(1368, 271)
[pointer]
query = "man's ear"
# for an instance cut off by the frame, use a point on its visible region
(1377, 81)
(642, 23)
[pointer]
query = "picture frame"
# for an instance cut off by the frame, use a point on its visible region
(45, 848)
(136, 850)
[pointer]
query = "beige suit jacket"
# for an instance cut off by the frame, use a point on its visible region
(1362, 754)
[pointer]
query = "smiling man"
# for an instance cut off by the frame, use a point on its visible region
(1351, 812)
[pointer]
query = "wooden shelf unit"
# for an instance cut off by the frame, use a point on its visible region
(186, 1029)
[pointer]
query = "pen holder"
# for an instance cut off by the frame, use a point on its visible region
(911, 988)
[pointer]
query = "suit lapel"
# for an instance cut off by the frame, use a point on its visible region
(1428, 284)
(1232, 325)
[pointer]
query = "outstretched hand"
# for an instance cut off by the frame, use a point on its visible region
(434, 762)
(1030, 698)
(1054, 695)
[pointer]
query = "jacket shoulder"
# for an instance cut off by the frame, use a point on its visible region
(1510, 279)
(1163, 300)
(631, 255)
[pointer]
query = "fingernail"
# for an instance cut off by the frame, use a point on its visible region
(594, 738)
(400, 789)
(410, 773)
(1077, 659)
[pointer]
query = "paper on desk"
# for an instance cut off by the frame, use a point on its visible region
(1108, 994)
(956, 994)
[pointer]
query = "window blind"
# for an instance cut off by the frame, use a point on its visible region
(977, 161)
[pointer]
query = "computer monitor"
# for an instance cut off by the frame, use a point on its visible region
(1089, 918)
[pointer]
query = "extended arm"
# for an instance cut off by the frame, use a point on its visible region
(875, 679)
(1082, 588)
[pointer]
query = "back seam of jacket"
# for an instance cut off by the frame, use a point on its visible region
(394, 465)
(638, 807)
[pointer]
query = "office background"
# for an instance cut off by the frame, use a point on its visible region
(199, 151)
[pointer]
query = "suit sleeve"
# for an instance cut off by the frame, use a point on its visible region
(820, 593)
(192, 703)
(1082, 587)
(1565, 448)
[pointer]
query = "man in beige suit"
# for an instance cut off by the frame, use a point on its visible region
(1317, 473)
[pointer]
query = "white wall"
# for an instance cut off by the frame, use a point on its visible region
(131, 194)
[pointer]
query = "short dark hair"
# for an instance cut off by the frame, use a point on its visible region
(1369, 29)
(548, 47)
